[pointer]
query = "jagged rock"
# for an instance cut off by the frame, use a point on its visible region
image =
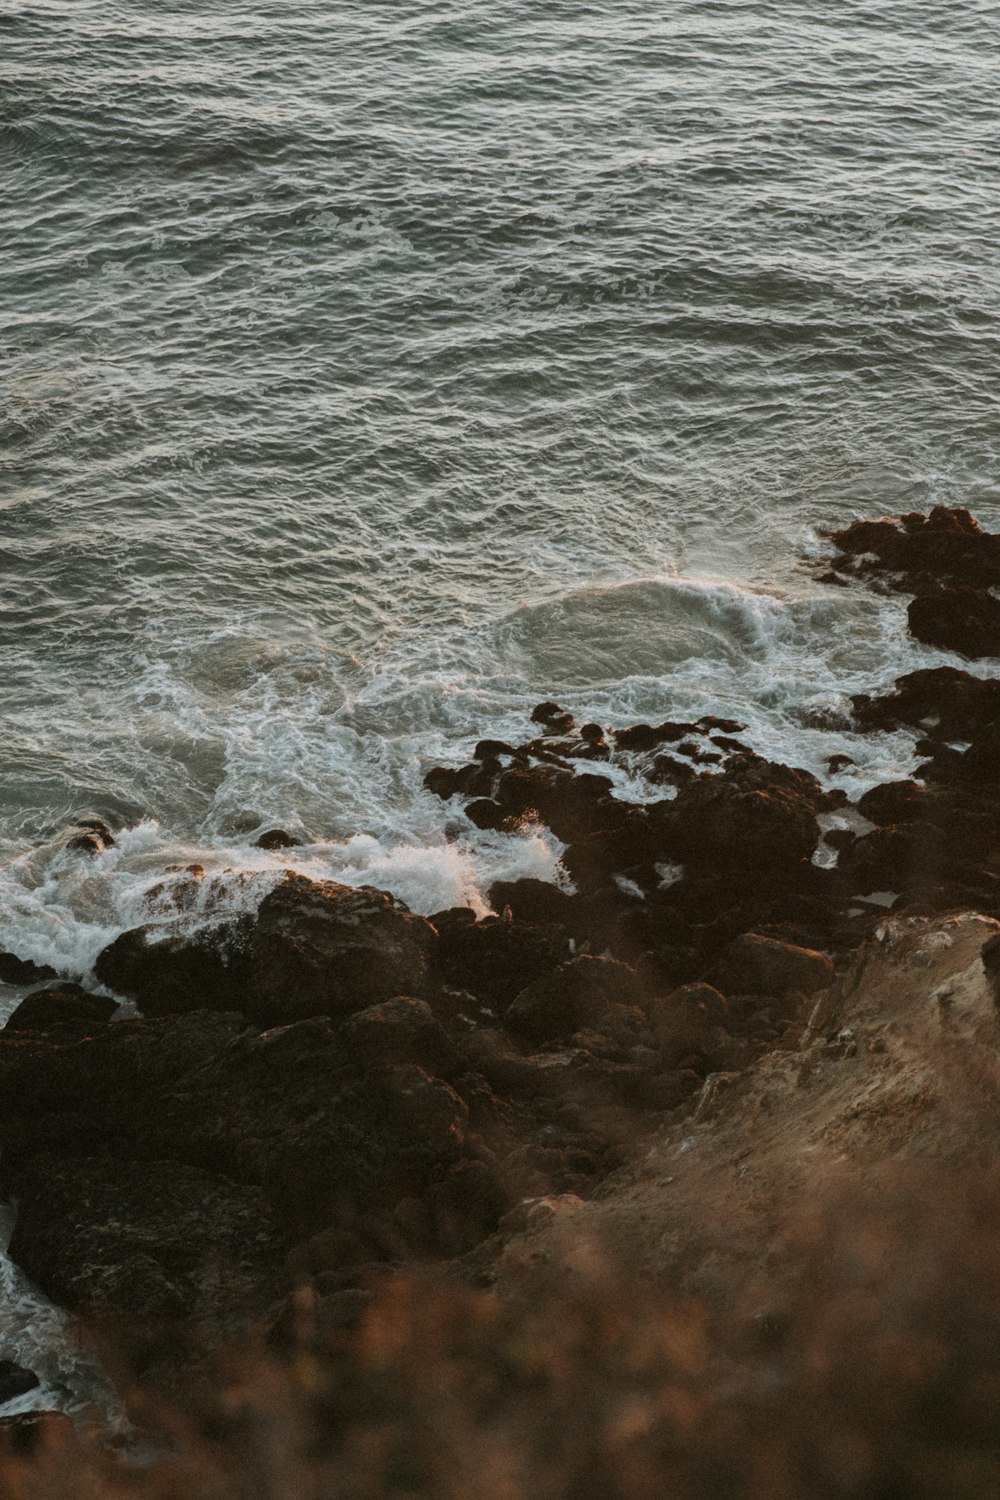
(963, 620)
(643, 737)
(469, 781)
(756, 815)
(946, 548)
(100, 1093)
(491, 750)
(398, 1031)
(319, 948)
(496, 959)
(483, 812)
(893, 802)
(952, 701)
(540, 903)
(570, 805)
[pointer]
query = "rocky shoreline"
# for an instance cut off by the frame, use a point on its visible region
(333, 1088)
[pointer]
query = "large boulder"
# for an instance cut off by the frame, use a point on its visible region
(143, 1240)
(399, 1031)
(946, 548)
(948, 700)
(14, 970)
(495, 959)
(319, 948)
(60, 1006)
(578, 994)
(168, 969)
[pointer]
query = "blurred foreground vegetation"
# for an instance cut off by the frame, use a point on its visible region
(872, 1374)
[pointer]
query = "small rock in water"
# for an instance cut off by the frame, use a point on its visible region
(277, 838)
(94, 837)
(14, 970)
(58, 1005)
(15, 1380)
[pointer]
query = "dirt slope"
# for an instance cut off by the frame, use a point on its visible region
(899, 1068)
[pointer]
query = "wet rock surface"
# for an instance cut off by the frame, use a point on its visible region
(945, 560)
(15, 1380)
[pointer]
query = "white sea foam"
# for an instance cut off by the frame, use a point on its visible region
(245, 735)
(40, 1338)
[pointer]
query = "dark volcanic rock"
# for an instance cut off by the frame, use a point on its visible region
(577, 994)
(15, 1380)
(946, 548)
(319, 948)
(334, 1138)
(60, 1005)
(166, 969)
(398, 1031)
(75, 1096)
(952, 702)
(496, 959)
(753, 964)
(893, 802)
(755, 815)
(964, 620)
(540, 903)
(277, 838)
(943, 558)
(145, 1241)
(571, 805)
(14, 970)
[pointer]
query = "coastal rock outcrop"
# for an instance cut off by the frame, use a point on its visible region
(946, 560)
(346, 1086)
(319, 948)
(166, 969)
(147, 1240)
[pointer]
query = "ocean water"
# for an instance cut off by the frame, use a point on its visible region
(371, 371)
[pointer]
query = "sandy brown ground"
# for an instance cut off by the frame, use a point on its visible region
(899, 1067)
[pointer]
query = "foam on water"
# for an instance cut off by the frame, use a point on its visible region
(40, 1338)
(289, 737)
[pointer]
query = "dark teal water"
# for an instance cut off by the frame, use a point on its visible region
(371, 371)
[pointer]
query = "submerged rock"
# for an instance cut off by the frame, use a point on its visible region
(277, 838)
